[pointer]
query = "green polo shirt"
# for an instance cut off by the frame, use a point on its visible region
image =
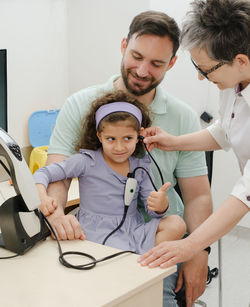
(177, 118)
(168, 112)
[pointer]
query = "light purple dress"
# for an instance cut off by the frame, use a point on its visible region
(102, 199)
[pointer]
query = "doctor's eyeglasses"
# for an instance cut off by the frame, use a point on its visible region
(205, 73)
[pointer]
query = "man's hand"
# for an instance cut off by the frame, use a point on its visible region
(193, 274)
(157, 200)
(66, 227)
(155, 137)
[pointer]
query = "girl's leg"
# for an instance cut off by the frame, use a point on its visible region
(170, 228)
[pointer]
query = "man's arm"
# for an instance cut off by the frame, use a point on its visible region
(198, 206)
(66, 226)
(197, 200)
(59, 189)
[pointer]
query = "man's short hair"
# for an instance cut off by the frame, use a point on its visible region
(156, 23)
(222, 27)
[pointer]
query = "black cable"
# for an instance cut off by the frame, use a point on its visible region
(150, 178)
(89, 265)
(119, 226)
(8, 257)
(158, 168)
(86, 266)
(211, 274)
(5, 167)
(131, 175)
(140, 137)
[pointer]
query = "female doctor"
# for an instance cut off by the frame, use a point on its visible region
(217, 35)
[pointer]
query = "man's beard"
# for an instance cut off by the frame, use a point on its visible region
(138, 92)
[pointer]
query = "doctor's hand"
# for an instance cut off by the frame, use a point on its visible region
(66, 227)
(193, 271)
(157, 200)
(167, 254)
(155, 137)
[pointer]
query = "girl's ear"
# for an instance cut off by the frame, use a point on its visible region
(99, 136)
(140, 136)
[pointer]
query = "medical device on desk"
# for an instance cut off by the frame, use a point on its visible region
(21, 223)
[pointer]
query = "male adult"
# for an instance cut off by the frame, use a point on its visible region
(149, 51)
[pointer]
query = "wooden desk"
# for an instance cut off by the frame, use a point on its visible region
(38, 279)
(73, 193)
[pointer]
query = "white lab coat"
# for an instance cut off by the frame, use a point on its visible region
(232, 130)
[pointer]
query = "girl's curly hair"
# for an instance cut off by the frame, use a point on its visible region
(88, 138)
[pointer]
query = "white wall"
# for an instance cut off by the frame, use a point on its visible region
(55, 47)
(34, 34)
(182, 79)
(96, 29)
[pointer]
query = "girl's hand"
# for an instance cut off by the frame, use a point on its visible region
(158, 201)
(48, 205)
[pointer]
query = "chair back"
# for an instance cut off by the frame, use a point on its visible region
(41, 124)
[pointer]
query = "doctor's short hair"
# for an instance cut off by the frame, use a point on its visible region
(222, 27)
(156, 23)
(88, 135)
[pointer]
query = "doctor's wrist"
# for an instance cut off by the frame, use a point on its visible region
(207, 249)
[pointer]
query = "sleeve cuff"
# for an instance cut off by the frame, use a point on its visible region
(219, 135)
(40, 179)
(242, 188)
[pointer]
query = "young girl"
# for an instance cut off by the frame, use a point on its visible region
(107, 149)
